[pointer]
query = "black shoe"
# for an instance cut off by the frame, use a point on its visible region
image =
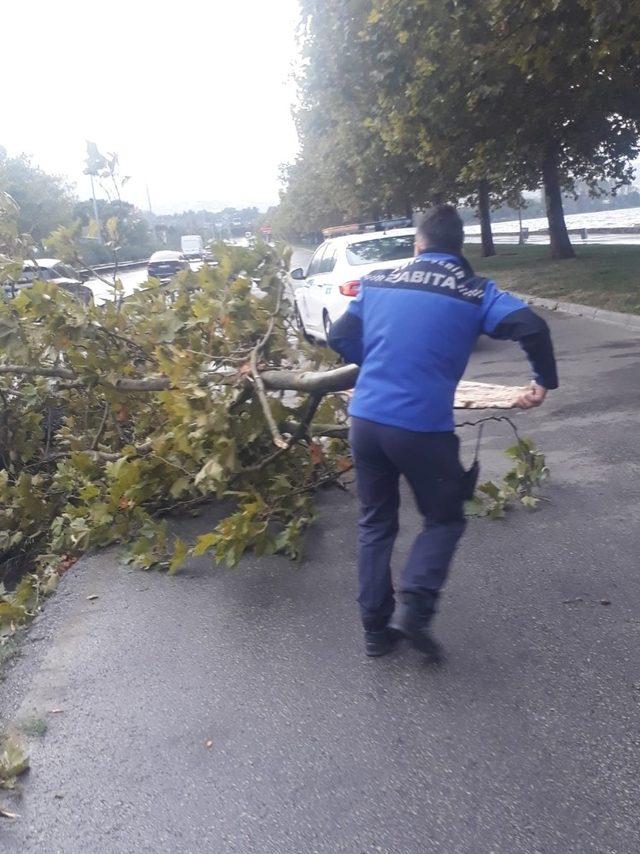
(379, 643)
(415, 626)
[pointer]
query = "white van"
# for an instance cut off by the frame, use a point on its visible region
(192, 246)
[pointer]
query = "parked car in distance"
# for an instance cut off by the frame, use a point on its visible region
(51, 270)
(332, 280)
(165, 264)
(192, 246)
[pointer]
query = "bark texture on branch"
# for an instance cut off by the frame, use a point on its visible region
(319, 382)
(469, 395)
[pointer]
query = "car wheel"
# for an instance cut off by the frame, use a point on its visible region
(300, 325)
(326, 323)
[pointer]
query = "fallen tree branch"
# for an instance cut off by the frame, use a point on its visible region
(469, 395)
(103, 423)
(328, 431)
(278, 440)
(99, 456)
(298, 432)
(145, 384)
(318, 382)
(276, 435)
(27, 371)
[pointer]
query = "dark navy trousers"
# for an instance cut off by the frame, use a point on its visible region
(431, 464)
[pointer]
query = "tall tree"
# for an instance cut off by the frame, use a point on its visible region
(488, 98)
(44, 201)
(345, 168)
(574, 102)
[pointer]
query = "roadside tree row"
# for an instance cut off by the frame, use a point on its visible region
(406, 104)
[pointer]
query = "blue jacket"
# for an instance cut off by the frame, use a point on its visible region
(413, 329)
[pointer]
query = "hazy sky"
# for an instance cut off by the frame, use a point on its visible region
(194, 95)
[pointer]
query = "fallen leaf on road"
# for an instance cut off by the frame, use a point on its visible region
(344, 464)
(317, 455)
(5, 813)
(208, 744)
(92, 597)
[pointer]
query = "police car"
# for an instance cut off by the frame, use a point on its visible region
(332, 279)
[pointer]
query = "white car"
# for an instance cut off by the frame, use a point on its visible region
(333, 277)
(51, 270)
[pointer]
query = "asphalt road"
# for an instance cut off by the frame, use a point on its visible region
(131, 280)
(524, 742)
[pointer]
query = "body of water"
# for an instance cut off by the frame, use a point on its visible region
(601, 219)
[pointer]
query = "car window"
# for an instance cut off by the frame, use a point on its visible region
(63, 271)
(381, 249)
(314, 266)
(43, 274)
(328, 260)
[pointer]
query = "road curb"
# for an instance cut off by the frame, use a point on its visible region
(616, 318)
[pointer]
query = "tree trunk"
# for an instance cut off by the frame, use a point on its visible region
(408, 209)
(558, 235)
(484, 213)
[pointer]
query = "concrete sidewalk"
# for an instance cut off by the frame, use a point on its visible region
(525, 741)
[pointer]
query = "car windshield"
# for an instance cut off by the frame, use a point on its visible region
(63, 271)
(30, 274)
(380, 249)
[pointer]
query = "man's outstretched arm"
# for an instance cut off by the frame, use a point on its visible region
(532, 334)
(345, 337)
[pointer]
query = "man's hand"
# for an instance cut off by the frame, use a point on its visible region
(531, 397)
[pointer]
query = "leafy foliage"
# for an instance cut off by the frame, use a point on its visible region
(518, 485)
(14, 761)
(412, 102)
(114, 416)
(135, 239)
(43, 202)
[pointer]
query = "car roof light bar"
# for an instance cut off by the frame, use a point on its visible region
(365, 227)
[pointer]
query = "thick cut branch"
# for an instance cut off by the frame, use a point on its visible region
(469, 395)
(316, 382)
(328, 431)
(146, 384)
(28, 371)
(121, 384)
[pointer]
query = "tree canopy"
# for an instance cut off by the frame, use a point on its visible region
(43, 201)
(407, 103)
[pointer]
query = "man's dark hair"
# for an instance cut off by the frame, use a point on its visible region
(441, 228)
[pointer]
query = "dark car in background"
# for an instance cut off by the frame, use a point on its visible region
(165, 264)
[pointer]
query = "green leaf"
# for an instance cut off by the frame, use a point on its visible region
(530, 501)
(211, 472)
(490, 488)
(180, 553)
(14, 761)
(179, 486)
(476, 507)
(205, 542)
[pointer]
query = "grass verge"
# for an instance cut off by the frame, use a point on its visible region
(602, 276)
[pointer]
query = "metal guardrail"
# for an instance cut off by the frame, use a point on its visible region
(109, 268)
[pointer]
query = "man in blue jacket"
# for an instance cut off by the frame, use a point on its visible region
(412, 330)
